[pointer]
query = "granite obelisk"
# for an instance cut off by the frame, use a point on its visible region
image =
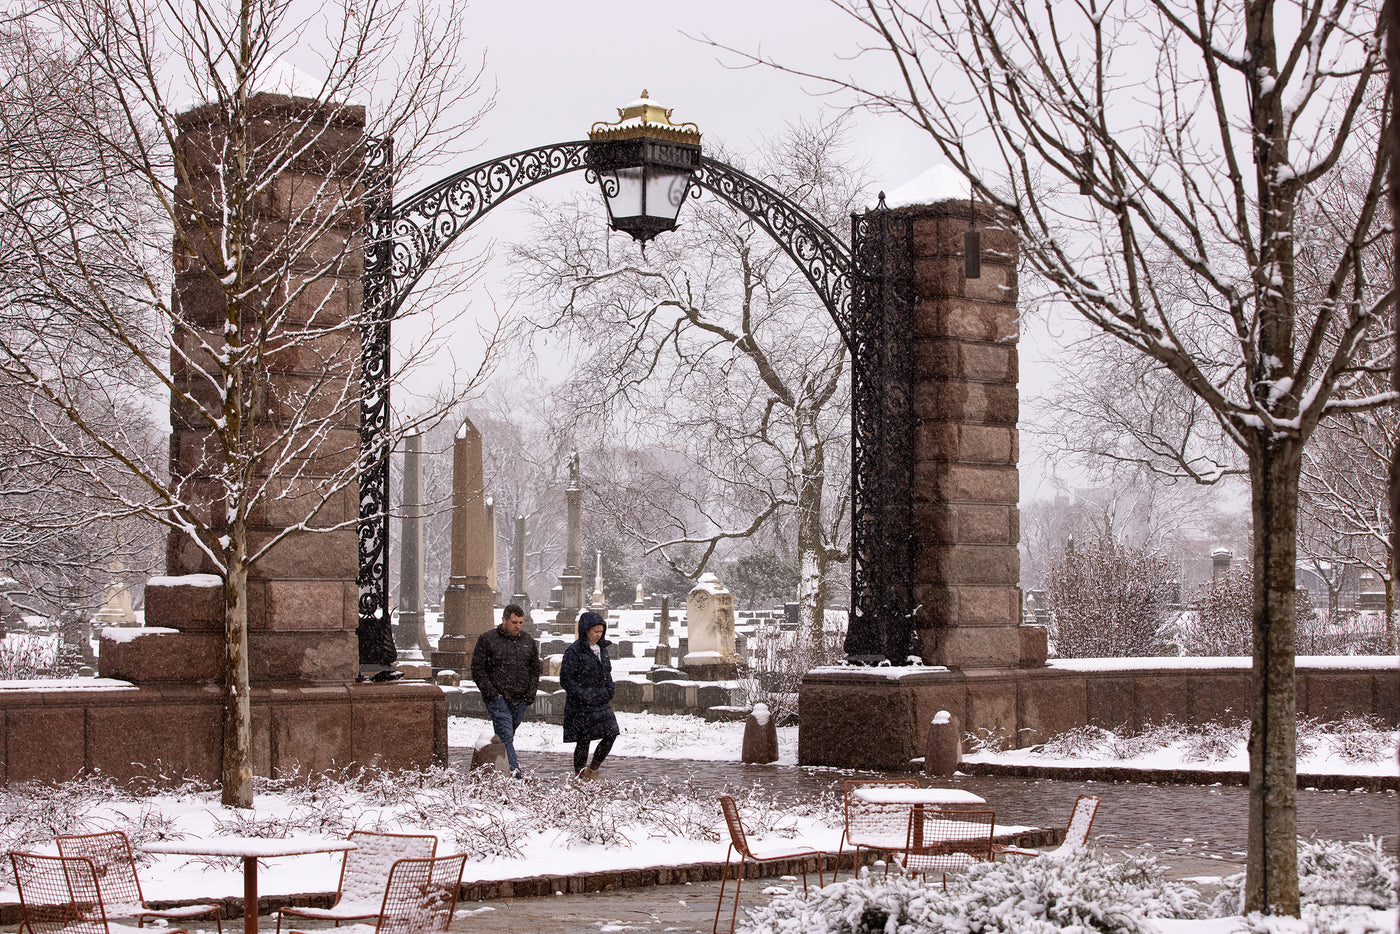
(466, 606)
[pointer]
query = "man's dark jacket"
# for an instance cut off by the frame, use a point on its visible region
(507, 667)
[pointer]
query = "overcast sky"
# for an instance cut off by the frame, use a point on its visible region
(560, 65)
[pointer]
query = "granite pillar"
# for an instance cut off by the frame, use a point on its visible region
(966, 480)
(517, 570)
(409, 634)
(467, 603)
(571, 580)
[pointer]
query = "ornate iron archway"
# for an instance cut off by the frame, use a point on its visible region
(866, 289)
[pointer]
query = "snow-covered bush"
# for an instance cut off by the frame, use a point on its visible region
(25, 657)
(1319, 919)
(1150, 738)
(1211, 741)
(1080, 741)
(1083, 891)
(1330, 873)
(1361, 739)
(1108, 599)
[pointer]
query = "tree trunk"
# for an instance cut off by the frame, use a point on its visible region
(1390, 608)
(811, 550)
(1271, 873)
(237, 772)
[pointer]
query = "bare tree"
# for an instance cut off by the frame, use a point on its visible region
(1108, 599)
(265, 216)
(1154, 159)
(711, 346)
(1344, 497)
(58, 535)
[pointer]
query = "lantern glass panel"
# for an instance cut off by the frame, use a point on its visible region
(626, 201)
(665, 191)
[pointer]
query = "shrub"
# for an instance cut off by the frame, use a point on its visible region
(1084, 892)
(1330, 873)
(1108, 599)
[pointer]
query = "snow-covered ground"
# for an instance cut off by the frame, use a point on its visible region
(1356, 746)
(643, 734)
(512, 829)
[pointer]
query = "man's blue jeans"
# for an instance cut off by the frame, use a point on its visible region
(505, 717)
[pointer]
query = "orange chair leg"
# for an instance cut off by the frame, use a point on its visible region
(738, 887)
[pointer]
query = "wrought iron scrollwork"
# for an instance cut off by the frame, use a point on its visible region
(375, 637)
(866, 289)
(402, 241)
(819, 253)
(882, 440)
(425, 223)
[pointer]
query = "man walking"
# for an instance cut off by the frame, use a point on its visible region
(506, 668)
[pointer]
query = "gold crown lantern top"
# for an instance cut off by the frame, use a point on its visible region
(645, 118)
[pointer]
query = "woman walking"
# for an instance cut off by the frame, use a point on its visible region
(586, 676)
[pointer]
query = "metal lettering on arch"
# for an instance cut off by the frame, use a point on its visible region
(867, 291)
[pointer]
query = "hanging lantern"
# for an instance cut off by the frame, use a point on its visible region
(644, 165)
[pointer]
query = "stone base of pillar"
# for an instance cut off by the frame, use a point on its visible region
(170, 656)
(459, 662)
(709, 668)
(410, 635)
(985, 646)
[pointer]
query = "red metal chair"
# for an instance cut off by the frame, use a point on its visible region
(60, 895)
(364, 874)
(1076, 831)
(873, 826)
(943, 841)
(110, 854)
(739, 842)
(419, 897)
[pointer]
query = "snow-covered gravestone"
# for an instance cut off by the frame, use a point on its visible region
(709, 614)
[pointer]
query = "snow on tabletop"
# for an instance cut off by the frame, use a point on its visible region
(261, 847)
(187, 580)
(132, 633)
(707, 654)
(939, 183)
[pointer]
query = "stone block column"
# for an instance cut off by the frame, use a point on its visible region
(303, 596)
(467, 604)
(966, 481)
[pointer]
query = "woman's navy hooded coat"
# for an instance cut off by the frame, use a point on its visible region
(588, 687)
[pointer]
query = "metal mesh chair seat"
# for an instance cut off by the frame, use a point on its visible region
(110, 854)
(60, 895)
(364, 874)
(943, 841)
(419, 897)
(1076, 831)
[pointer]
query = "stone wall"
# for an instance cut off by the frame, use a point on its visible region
(53, 730)
(712, 701)
(878, 718)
